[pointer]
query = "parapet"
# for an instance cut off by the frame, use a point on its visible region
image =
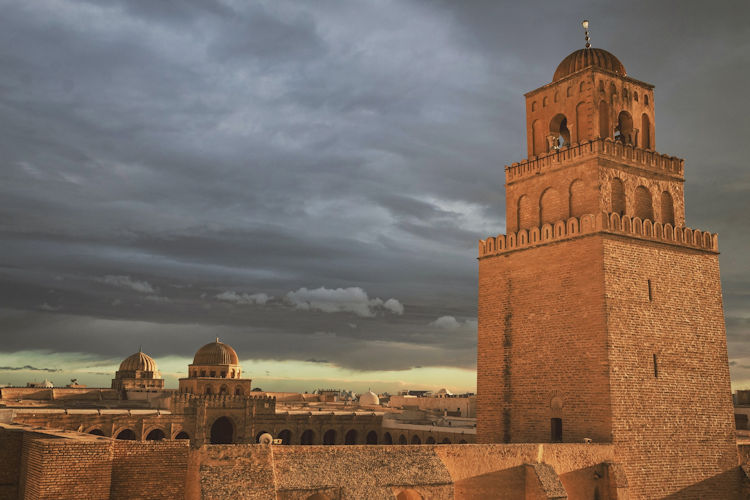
(645, 159)
(604, 223)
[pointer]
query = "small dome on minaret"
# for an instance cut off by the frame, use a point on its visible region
(587, 58)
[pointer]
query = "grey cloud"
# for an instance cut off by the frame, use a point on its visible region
(28, 368)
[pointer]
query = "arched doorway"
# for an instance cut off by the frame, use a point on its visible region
(350, 437)
(222, 431)
(402, 439)
(96, 432)
(126, 435)
(155, 435)
(430, 440)
(329, 437)
(372, 437)
(307, 437)
(387, 438)
(182, 435)
(285, 436)
(415, 439)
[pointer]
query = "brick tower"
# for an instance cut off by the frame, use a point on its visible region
(600, 312)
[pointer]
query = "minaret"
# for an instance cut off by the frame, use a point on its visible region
(600, 312)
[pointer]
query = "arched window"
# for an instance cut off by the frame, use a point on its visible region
(557, 97)
(285, 436)
(415, 439)
(569, 91)
(430, 440)
(232, 375)
(402, 439)
(582, 87)
(645, 131)
(624, 93)
(559, 133)
(604, 119)
(624, 130)
(182, 435)
(635, 96)
(222, 431)
(645, 99)
(612, 89)
(575, 200)
(307, 437)
(618, 196)
(533, 106)
(387, 439)
(544, 102)
(372, 437)
(667, 208)
(350, 437)
(550, 208)
(155, 435)
(643, 205)
(329, 437)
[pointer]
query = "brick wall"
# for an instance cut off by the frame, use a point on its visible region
(151, 470)
(11, 443)
(673, 429)
(542, 344)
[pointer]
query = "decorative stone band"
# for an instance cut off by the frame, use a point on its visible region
(601, 223)
(636, 157)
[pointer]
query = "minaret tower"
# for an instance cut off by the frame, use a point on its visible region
(600, 312)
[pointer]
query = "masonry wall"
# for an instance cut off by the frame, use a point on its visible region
(152, 470)
(11, 444)
(673, 428)
(542, 344)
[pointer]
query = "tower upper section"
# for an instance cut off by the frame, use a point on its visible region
(590, 97)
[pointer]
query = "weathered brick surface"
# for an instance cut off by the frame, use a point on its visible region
(673, 428)
(150, 470)
(11, 443)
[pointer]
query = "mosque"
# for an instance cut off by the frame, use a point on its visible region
(602, 368)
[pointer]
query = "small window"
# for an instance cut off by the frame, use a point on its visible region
(624, 93)
(557, 96)
(213, 373)
(544, 102)
(645, 99)
(556, 430)
(569, 92)
(635, 96)
(582, 87)
(533, 106)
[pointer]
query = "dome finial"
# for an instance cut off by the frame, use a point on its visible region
(585, 25)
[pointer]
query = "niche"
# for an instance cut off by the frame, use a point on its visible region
(645, 131)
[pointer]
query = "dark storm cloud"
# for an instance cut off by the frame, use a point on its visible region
(172, 171)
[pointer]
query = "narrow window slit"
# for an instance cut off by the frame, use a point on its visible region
(650, 293)
(656, 367)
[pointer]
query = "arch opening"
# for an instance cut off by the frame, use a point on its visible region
(402, 439)
(667, 208)
(550, 208)
(350, 437)
(387, 439)
(372, 437)
(155, 435)
(415, 439)
(307, 437)
(645, 132)
(643, 206)
(285, 436)
(96, 432)
(126, 435)
(624, 131)
(559, 135)
(182, 435)
(222, 431)
(329, 437)
(617, 192)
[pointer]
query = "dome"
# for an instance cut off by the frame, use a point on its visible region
(369, 398)
(585, 58)
(47, 384)
(216, 353)
(138, 361)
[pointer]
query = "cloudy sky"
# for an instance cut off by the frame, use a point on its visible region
(307, 180)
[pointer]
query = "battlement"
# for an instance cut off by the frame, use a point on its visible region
(644, 159)
(603, 222)
(186, 397)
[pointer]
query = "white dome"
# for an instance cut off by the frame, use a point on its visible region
(369, 398)
(47, 383)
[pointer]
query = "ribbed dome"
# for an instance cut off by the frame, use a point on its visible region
(138, 361)
(369, 398)
(584, 58)
(216, 353)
